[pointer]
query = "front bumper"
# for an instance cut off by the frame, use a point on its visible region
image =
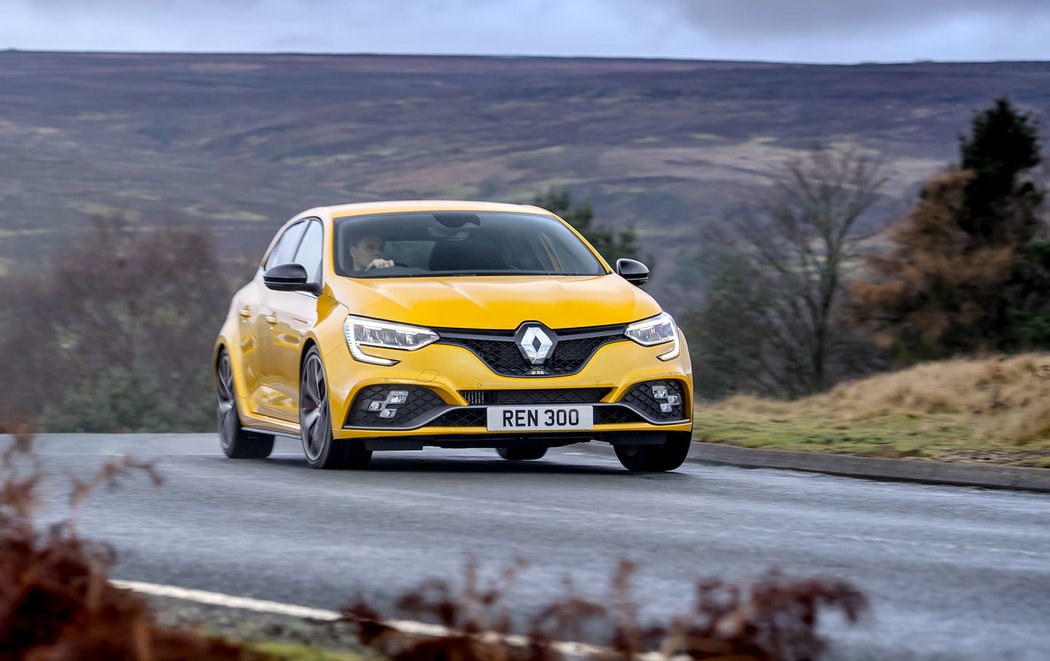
(451, 388)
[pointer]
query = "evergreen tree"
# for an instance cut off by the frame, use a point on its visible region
(1001, 202)
(966, 270)
(122, 400)
(732, 335)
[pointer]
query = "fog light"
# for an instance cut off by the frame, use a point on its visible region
(397, 397)
(375, 405)
(674, 400)
(666, 408)
(660, 392)
(387, 413)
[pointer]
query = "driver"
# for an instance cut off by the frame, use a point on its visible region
(367, 253)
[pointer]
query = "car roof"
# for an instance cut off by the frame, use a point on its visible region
(362, 208)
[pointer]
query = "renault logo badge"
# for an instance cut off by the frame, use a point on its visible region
(536, 342)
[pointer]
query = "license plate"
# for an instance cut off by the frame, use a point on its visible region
(533, 418)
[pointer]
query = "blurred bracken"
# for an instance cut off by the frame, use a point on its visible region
(772, 618)
(56, 603)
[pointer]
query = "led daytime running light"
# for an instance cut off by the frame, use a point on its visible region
(656, 330)
(361, 332)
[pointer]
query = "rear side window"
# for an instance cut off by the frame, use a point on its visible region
(309, 253)
(284, 251)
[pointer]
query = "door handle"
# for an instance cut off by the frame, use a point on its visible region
(270, 319)
(245, 312)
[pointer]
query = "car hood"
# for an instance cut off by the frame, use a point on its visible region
(497, 302)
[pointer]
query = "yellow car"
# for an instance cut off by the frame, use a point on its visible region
(399, 325)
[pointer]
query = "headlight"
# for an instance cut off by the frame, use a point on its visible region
(361, 332)
(655, 330)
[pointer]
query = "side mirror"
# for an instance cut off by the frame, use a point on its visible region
(288, 277)
(633, 271)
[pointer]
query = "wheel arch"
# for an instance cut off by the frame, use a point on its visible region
(310, 343)
(236, 371)
(223, 346)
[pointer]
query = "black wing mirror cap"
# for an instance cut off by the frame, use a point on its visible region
(633, 271)
(288, 277)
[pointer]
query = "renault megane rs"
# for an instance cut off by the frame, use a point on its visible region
(400, 325)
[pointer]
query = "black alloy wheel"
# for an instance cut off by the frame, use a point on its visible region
(521, 454)
(236, 442)
(656, 458)
(315, 422)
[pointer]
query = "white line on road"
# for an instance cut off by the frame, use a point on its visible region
(229, 601)
(409, 627)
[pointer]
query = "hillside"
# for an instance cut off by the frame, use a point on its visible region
(243, 141)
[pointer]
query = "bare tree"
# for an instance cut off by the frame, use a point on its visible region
(796, 241)
(114, 332)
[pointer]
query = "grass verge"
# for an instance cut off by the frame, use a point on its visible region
(276, 636)
(979, 411)
(297, 652)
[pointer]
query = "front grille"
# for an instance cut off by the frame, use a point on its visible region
(499, 351)
(419, 403)
(462, 418)
(615, 415)
(643, 398)
(528, 397)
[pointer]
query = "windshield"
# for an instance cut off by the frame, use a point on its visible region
(401, 245)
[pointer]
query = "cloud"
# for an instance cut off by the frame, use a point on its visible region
(800, 30)
(779, 19)
(421, 26)
(839, 30)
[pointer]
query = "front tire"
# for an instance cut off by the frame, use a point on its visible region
(656, 458)
(521, 454)
(236, 442)
(315, 422)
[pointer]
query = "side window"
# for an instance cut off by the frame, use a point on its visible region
(284, 251)
(309, 253)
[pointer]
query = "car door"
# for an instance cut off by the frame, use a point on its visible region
(267, 397)
(294, 313)
(246, 306)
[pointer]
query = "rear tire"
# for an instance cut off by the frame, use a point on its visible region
(236, 442)
(521, 454)
(315, 422)
(656, 458)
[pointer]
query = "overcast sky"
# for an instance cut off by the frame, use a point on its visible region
(779, 30)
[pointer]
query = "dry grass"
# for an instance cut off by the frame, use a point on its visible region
(1006, 400)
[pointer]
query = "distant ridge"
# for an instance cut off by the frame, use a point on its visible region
(242, 141)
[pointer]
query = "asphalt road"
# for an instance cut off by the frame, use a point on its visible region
(952, 572)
